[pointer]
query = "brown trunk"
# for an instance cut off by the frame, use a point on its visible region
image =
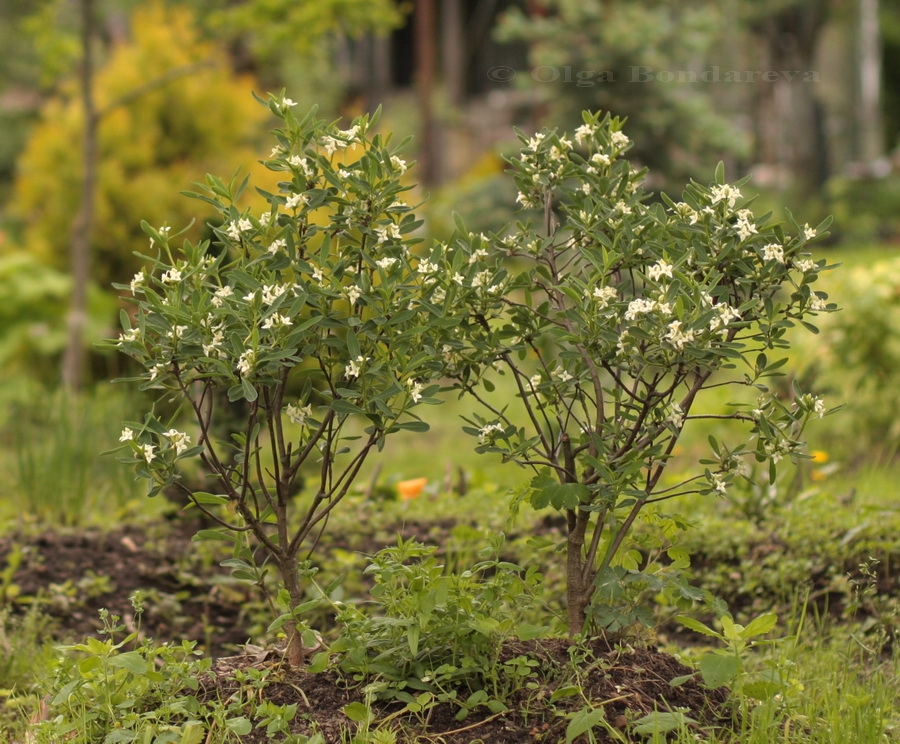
(73, 358)
(577, 594)
(294, 653)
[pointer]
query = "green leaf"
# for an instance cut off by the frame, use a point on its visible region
(759, 625)
(719, 669)
(220, 534)
(659, 722)
(357, 712)
(583, 721)
(412, 638)
(419, 427)
(319, 663)
(249, 391)
(131, 661)
(201, 497)
(696, 625)
(345, 407)
(720, 173)
(240, 726)
(527, 632)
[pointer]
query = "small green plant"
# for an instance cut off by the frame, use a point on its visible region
(616, 316)
(435, 637)
(102, 692)
(313, 324)
(727, 666)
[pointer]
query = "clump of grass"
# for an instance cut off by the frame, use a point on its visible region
(59, 476)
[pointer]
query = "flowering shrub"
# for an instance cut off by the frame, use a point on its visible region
(616, 316)
(310, 315)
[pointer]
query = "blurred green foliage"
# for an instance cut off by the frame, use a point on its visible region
(172, 112)
(33, 302)
(592, 52)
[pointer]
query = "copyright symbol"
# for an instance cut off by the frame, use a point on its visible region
(501, 74)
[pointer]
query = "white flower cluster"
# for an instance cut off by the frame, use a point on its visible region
(725, 193)
(487, 432)
(354, 367)
(677, 337)
(298, 414)
(236, 228)
(603, 296)
(180, 441)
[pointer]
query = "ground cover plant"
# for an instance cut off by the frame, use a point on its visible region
(453, 643)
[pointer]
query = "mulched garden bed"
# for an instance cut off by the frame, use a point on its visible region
(628, 683)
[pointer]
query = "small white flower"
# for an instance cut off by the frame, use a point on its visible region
(585, 131)
(622, 208)
(277, 245)
(439, 295)
(148, 452)
(354, 367)
(177, 332)
(287, 103)
(805, 265)
(276, 320)
(158, 369)
(481, 279)
(426, 267)
(638, 307)
(660, 269)
(318, 276)
(353, 293)
(600, 158)
(675, 415)
(487, 431)
(809, 232)
(816, 303)
(298, 415)
(171, 276)
(415, 390)
(726, 314)
(773, 252)
(535, 380)
(663, 308)
(718, 485)
(296, 200)
(459, 279)
(272, 292)
(132, 334)
(246, 362)
(677, 337)
(387, 232)
(619, 140)
(562, 375)
(744, 228)
(819, 407)
(727, 193)
(398, 164)
(237, 227)
(220, 294)
(603, 296)
(138, 281)
(478, 255)
(386, 263)
(127, 435)
(180, 441)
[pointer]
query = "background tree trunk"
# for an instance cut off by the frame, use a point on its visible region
(80, 259)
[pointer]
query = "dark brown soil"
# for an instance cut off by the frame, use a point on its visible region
(73, 575)
(627, 683)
